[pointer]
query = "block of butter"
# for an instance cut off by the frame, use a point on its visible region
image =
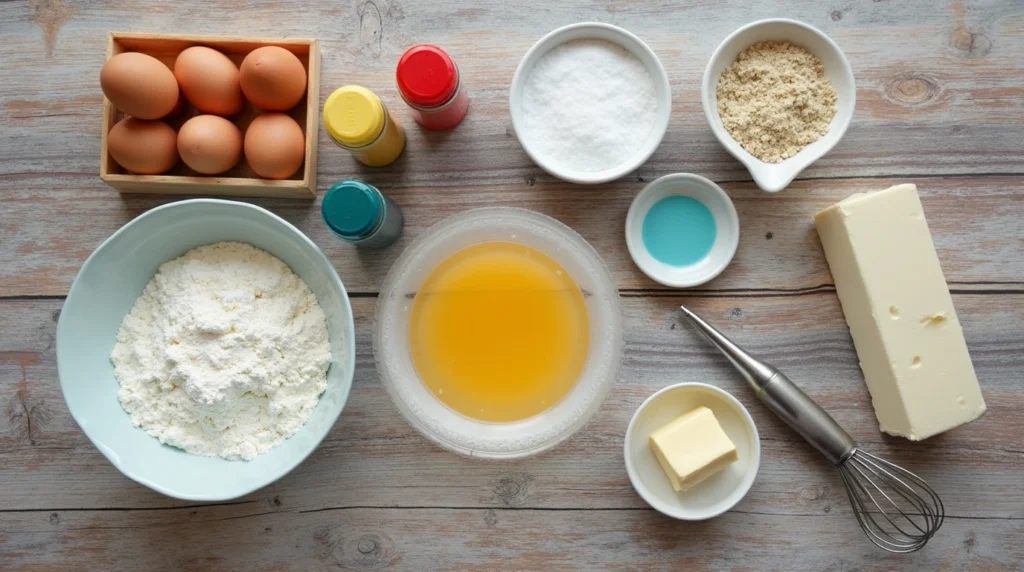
(692, 448)
(900, 313)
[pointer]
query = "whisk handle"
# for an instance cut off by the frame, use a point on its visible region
(807, 418)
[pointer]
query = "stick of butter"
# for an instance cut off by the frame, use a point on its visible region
(692, 448)
(900, 313)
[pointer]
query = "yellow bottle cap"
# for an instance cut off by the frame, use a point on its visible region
(353, 116)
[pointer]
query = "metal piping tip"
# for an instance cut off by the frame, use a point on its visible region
(756, 372)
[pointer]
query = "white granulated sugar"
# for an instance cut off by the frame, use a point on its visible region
(224, 354)
(588, 105)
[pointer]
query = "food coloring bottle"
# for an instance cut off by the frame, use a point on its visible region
(361, 215)
(358, 121)
(429, 82)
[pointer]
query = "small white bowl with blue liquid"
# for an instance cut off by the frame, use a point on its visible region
(682, 230)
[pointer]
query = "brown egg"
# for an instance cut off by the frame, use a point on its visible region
(209, 144)
(142, 146)
(178, 107)
(273, 78)
(274, 146)
(139, 85)
(209, 80)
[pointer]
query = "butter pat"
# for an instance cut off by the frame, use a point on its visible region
(900, 313)
(692, 448)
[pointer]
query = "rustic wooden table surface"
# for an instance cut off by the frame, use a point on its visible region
(940, 103)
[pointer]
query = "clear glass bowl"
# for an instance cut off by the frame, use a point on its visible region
(430, 416)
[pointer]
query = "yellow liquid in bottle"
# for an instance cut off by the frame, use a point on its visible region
(499, 332)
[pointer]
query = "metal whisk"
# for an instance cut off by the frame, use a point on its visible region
(897, 510)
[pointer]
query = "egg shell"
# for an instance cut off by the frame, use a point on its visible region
(139, 85)
(209, 144)
(274, 146)
(209, 80)
(143, 146)
(178, 107)
(273, 78)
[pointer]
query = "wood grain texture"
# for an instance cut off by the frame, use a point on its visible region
(975, 223)
(940, 103)
(941, 91)
(938, 87)
(278, 537)
(373, 460)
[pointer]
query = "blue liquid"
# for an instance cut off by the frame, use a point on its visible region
(679, 231)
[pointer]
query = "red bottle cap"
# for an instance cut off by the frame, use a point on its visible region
(427, 76)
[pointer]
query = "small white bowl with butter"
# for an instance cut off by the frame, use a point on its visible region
(713, 495)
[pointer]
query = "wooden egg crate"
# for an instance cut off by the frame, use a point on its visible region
(240, 180)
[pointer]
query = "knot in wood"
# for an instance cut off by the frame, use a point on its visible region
(512, 490)
(367, 551)
(912, 89)
(490, 517)
(970, 44)
(814, 492)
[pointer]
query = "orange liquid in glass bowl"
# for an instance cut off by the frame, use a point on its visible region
(499, 332)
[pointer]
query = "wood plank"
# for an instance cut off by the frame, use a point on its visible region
(933, 105)
(940, 102)
(373, 458)
(275, 538)
(975, 223)
(939, 89)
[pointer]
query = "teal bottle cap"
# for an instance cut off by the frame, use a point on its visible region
(352, 209)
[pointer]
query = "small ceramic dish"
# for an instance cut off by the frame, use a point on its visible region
(608, 33)
(774, 177)
(721, 491)
(105, 290)
(727, 230)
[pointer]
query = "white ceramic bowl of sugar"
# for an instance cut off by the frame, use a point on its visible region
(591, 31)
(774, 177)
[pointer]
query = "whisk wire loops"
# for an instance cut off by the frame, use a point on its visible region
(897, 510)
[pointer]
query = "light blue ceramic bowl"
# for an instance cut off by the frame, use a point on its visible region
(106, 288)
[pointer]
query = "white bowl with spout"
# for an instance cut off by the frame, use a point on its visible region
(774, 177)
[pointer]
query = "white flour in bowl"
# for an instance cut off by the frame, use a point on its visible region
(588, 105)
(224, 354)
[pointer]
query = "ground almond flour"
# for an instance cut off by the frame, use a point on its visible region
(774, 100)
